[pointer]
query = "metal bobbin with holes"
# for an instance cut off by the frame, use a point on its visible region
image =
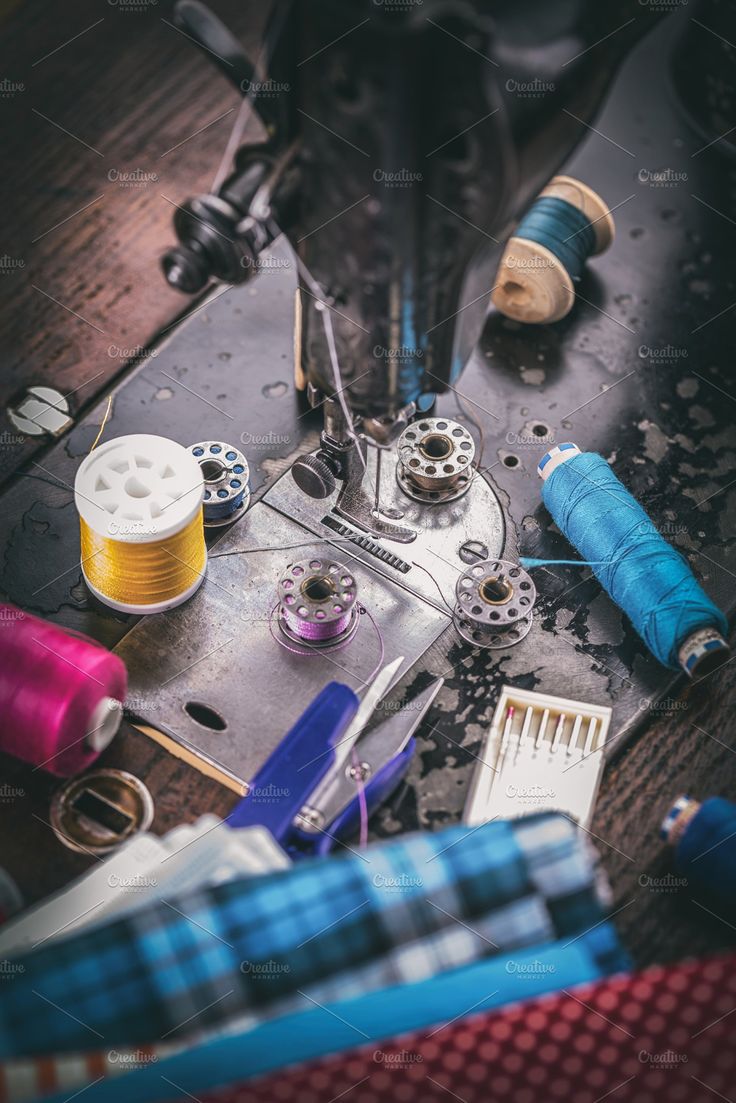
(318, 603)
(225, 471)
(494, 604)
(435, 460)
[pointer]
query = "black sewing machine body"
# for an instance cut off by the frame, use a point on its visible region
(404, 140)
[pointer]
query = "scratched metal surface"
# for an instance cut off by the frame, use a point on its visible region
(640, 371)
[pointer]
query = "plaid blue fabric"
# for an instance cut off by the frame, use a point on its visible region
(400, 911)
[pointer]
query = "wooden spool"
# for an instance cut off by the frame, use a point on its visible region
(532, 285)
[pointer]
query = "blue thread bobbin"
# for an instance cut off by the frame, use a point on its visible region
(683, 626)
(226, 473)
(565, 225)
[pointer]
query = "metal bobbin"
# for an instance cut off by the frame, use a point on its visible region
(318, 603)
(435, 460)
(495, 601)
(226, 473)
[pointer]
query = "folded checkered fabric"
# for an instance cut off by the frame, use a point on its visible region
(397, 912)
(147, 1073)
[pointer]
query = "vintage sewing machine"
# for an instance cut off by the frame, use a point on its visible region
(395, 190)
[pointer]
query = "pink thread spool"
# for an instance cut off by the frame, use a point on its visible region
(60, 695)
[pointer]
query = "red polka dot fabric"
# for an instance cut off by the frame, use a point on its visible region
(665, 1035)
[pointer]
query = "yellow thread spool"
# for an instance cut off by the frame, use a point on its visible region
(139, 500)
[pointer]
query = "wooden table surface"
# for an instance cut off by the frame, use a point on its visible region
(97, 91)
(104, 135)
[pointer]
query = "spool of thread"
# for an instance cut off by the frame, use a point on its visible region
(60, 695)
(544, 259)
(704, 840)
(640, 571)
(317, 602)
(226, 473)
(139, 500)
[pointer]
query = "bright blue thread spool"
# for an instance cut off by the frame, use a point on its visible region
(704, 840)
(544, 259)
(226, 474)
(640, 571)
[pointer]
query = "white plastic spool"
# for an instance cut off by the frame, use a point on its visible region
(139, 489)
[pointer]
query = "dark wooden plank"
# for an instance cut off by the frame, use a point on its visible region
(128, 95)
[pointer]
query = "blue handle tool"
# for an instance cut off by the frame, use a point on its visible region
(303, 757)
(384, 756)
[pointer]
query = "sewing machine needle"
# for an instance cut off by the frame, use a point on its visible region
(558, 731)
(590, 736)
(574, 734)
(542, 729)
(524, 730)
(505, 737)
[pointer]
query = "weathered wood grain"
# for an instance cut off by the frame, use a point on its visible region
(129, 96)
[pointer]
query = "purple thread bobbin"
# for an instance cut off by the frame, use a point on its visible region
(317, 602)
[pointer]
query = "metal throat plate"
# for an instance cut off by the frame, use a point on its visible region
(216, 657)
